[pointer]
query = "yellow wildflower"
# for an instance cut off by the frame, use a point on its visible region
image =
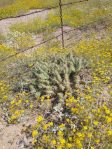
(53, 142)
(31, 106)
(96, 123)
(34, 133)
(89, 135)
(97, 141)
(60, 133)
(108, 119)
(45, 127)
(69, 145)
(85, 127)
(62, 141)
(39, 119)
(109, 133)
(59, 147)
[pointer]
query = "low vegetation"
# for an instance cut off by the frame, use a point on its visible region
(82, 15)
(67, 90)
(72, 109)
(19, 7)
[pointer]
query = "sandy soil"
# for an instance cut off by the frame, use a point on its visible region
(6, 23)
(11, 136)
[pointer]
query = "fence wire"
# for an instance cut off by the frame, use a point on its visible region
(40, 11)
(62, 25)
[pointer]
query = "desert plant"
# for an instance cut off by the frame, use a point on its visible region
(55, 76)
(19, 41)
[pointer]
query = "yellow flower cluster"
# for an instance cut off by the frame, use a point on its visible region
(5, 51)
(91, 123)
(4, 90)
(22, 6)
(17, 106)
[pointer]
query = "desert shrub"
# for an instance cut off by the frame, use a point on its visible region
(19, 41)
(5, 51)
(55, 76)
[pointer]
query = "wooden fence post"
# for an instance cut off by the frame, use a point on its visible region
(61, 21)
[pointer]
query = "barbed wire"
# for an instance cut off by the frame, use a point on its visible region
(29, 68)
(68, 45)
(39, 11)
(37, 45)
(92, 23)
(43, 42)
(21, 51)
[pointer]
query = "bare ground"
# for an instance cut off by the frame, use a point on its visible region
(11, 136)
(5, 24)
